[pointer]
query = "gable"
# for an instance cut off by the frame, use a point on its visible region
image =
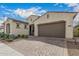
(55, 16)
(32, 18)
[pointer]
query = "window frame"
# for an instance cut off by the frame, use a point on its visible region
(47, 16)
(25, 26)
(17, 25)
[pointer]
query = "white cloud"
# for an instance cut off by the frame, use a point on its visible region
(31, 11)
(1, 20)
(75, 6)
(61, 6)
(72, 4)
(76, 9)
(2, 6)
(23, 13)
(40, 12)
(6, 9)
(56, 4)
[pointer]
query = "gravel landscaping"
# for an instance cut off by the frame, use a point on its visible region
(73, 48)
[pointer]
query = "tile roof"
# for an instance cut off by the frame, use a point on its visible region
(17, 20)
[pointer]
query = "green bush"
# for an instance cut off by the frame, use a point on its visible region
(76, 32)
(18, 35)
(22, 36)
(12, 36)
(2, 35)
(7, 37)
(25, 36)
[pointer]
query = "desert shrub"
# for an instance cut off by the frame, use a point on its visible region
(76, 32)
(22, 36)
(2, 35)
(6, 36)
(25, 36)
(12, 36)
(9, 38)
(18, 36)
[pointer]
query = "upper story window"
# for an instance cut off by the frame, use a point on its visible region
(47, 16)
(17, 25)
(25, 26)
(30, 19)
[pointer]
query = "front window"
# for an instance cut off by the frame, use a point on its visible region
(17, 25)
(25, 26)
(31, 19)
(47, 16)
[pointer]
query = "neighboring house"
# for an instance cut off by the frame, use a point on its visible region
(52, 24)
(15, 27)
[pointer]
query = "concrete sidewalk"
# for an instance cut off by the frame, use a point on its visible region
(5, 50)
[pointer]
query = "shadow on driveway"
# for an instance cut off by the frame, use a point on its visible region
(50, 40)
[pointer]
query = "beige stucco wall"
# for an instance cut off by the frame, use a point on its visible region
(53, 17)
(16, 31)
(31, 20)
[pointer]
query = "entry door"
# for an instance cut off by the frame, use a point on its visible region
(31, 27)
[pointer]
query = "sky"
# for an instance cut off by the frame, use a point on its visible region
(21, 11)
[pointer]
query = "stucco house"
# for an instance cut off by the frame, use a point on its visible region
(16, 27)
(52, 24)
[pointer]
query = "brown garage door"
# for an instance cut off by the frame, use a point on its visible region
(56, 29)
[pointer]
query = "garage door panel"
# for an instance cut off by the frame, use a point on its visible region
(52, 29)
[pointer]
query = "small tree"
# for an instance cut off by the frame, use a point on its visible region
(76, 30)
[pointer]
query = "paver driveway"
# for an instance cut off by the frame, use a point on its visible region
(40, 46)
(73, 47)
